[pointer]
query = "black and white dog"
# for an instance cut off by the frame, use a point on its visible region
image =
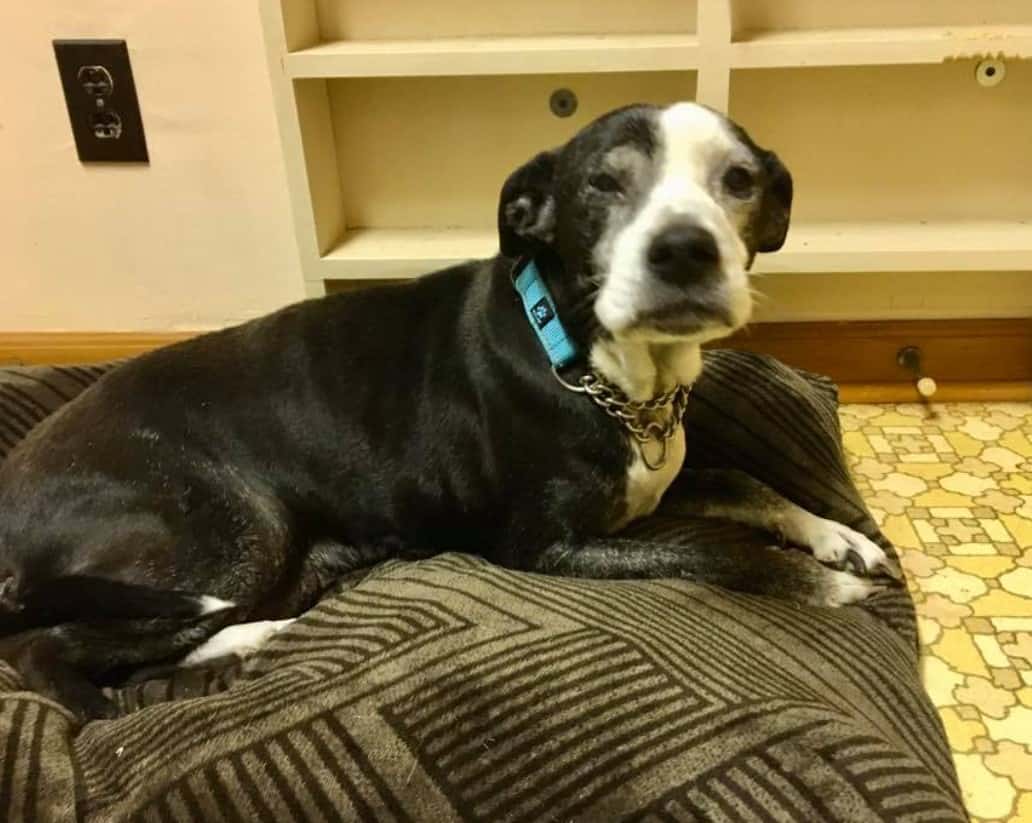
(232, 478)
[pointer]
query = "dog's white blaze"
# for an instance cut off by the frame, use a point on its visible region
(693, 144)
(242, 639)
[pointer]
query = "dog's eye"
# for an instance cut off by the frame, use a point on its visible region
(739, 181)
(604, 182)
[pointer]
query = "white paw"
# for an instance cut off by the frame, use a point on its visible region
(242, 639)
(842, 588)
(836, 544)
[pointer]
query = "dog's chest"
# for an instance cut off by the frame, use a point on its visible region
(645, 486)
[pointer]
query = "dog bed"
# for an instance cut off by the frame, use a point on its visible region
(451, 689)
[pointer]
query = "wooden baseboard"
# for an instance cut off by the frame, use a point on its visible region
(978, 360)
(953, 351)
(1009, 391)
(66, 348)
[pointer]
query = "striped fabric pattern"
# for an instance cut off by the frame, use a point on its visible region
(450, 689)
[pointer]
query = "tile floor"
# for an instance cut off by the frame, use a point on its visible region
(954, 493)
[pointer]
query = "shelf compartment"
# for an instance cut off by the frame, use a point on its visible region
(496, 55)
(435, 151)
(877, 46)
(907, 144)
(887, 16)
(384, 254)
(359, 20)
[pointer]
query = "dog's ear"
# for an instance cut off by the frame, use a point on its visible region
(526, 208)
(775, 206)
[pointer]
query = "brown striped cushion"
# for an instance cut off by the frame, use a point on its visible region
(451, 689)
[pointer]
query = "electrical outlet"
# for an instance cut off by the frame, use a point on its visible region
(101, 98)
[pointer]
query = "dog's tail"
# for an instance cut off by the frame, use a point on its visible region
(85, 598)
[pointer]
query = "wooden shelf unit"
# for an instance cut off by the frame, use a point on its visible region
(399, 126)
(495, 55)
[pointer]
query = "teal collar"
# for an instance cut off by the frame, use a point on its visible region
(542, 314)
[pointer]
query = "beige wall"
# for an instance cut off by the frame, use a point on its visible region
(199, 238)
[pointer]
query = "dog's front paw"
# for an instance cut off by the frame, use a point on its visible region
(843, 547)
(836, 588)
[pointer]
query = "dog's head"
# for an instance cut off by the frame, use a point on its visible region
(656, 215)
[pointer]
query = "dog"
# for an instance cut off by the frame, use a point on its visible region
(524, 408)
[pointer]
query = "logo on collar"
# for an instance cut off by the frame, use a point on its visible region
(541, 312)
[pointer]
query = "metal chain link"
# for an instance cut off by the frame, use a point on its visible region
(636, 415)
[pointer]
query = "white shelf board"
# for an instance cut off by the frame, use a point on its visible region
(496, 55)
(877, 46)
(814, 248)
(388, 253)
(998, 245)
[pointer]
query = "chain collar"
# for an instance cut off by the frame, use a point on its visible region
(637, 417)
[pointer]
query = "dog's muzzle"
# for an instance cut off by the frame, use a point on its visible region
(683, 254)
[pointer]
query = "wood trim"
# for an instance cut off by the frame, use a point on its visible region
(65, 348)
(1009, 391)
(978, 360)
(954, 351)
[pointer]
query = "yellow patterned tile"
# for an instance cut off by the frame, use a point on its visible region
(856, 444)
(1021, 483)
(926, 471)
(945, 611)
(890, 419)
(1014, 761)
(966, 483)
(964, 445)
(901, 484)
(954, 493)
(1012, 624)
(1021, 647)
(900, 531)
(917, 563)
(958, 650)
(980, 430)
(928, 630)
(991, 651)
(1017, 442)
(999, 603)
(939, 681)
(1003, 502)
(990, 699)
(961, 732)
(950, 511)
(957, 586)
(939, 497)
(981, 549)
(1018, 581)
(996, 530)
(879, 444)
(984, 567)
(926, 531)
(1006, 459)
(1023, 814)
(985, 794)
(1016, 725)
(922, 458)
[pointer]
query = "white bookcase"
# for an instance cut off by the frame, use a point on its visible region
(401, 119)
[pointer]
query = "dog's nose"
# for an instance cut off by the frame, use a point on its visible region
(680, 253)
